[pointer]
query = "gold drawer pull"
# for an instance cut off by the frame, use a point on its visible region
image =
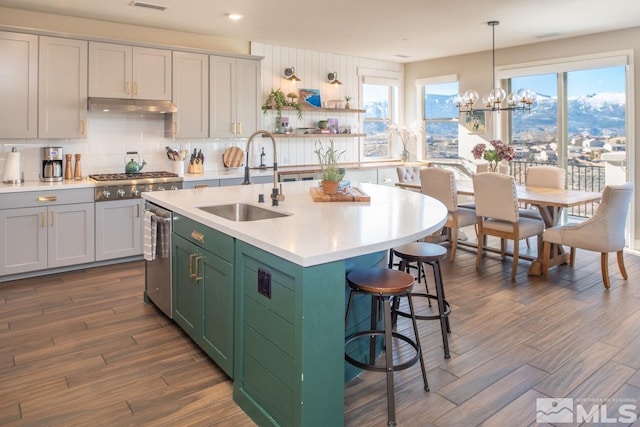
(197, 263)
(197, 236)
(201, 186)
(47, 198)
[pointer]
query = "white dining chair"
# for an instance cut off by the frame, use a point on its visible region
(498, 215)
(603, 232)
(408, 174)
(441, 185)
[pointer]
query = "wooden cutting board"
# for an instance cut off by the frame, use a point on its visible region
(233, 157)
(353, 194)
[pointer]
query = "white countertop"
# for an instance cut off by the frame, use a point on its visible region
(36, 185)
(315, 232)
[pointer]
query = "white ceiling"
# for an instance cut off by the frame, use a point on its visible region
(415, 29)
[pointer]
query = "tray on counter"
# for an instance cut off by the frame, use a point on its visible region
(352, 194)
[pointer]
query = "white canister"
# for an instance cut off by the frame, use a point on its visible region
(177, 166)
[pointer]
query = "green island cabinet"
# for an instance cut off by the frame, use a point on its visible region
(275, 327)
(203, 288)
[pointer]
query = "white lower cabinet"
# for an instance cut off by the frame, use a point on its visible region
(119, 228)
(36, 238)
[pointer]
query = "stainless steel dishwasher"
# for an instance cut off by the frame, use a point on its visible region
(158, 272)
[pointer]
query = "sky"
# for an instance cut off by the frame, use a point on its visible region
(584, 82)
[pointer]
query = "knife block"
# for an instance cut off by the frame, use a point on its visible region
(195, 168)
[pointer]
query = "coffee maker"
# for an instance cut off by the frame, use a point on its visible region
(51, 164)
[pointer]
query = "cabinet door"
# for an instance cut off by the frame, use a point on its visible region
(216, 338)
(151, 73)
(19, 65)
(62, 88)
(185, 288)
(110, 70)
(118, 229)
(23, 240)
(222, 104)
(248, 91)
(191, 95)
(71, 234)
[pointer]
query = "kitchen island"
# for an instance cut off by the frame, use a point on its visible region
(285, 287)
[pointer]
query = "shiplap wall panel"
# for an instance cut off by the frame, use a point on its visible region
(312, 68)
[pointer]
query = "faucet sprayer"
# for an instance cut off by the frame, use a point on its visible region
(276, 194)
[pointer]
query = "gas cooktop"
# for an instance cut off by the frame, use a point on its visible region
(131, 176)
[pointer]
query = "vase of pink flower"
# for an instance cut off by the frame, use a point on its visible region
(499, 151)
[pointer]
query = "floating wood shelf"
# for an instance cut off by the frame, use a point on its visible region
(322, 109)
(318, 135)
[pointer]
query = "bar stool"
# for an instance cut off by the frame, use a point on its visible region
(382, 284)
(431, 254)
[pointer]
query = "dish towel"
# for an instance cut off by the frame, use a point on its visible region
(150, 235)
(163, 237)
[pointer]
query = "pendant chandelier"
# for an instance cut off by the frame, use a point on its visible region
(497, 99)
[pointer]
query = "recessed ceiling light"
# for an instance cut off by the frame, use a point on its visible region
(234, 16)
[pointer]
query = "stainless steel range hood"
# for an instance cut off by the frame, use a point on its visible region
(131, 105)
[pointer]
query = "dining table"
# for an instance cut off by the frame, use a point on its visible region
(550, 202)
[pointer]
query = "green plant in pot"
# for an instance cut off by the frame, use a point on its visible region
(276, 100)
(328, 158)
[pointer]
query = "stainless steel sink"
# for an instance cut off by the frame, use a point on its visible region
(242, 212)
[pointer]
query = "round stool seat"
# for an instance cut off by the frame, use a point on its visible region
(382, 281)
(422, 251)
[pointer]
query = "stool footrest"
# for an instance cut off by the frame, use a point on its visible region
(377, 368)
(446, 313)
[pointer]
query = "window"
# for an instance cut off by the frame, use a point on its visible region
(578, 122)
(377, 100)
(440, 118)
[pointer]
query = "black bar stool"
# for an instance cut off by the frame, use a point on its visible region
(382, 284)
(431, 254)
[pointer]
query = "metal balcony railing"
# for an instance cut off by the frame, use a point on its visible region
(579, 177)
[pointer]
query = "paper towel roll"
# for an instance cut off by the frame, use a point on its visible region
(12, 173)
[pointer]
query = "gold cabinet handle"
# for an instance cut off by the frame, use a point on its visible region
(233, 128)
(197, 236)
(51, 216)
(83, 128)
(201, 186)
(135, 88)
(197, 261)
(128, 87)
(191, 273)
(137, 211)
(42, 215)
(47, 198)
(239, 128)
(175, 128)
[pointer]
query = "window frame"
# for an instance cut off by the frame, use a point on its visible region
(421, 94)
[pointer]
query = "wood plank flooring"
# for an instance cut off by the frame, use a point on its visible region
(82, 348)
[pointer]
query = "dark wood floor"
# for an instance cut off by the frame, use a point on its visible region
(82, 348)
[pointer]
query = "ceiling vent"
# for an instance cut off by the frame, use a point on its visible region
(148, 5)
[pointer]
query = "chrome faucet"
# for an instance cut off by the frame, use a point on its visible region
(276, 193)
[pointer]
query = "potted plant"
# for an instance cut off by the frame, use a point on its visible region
(347, 106)
(328, 158)
(276, 100)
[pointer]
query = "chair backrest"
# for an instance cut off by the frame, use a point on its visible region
(495, 196)
(606, 226)
(545, 176)
(408, 173)
(441, 185)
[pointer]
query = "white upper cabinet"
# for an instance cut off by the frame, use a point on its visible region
(234, 102)
(62, 88)
(19, 70)
(191, 95)
(120, 71)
